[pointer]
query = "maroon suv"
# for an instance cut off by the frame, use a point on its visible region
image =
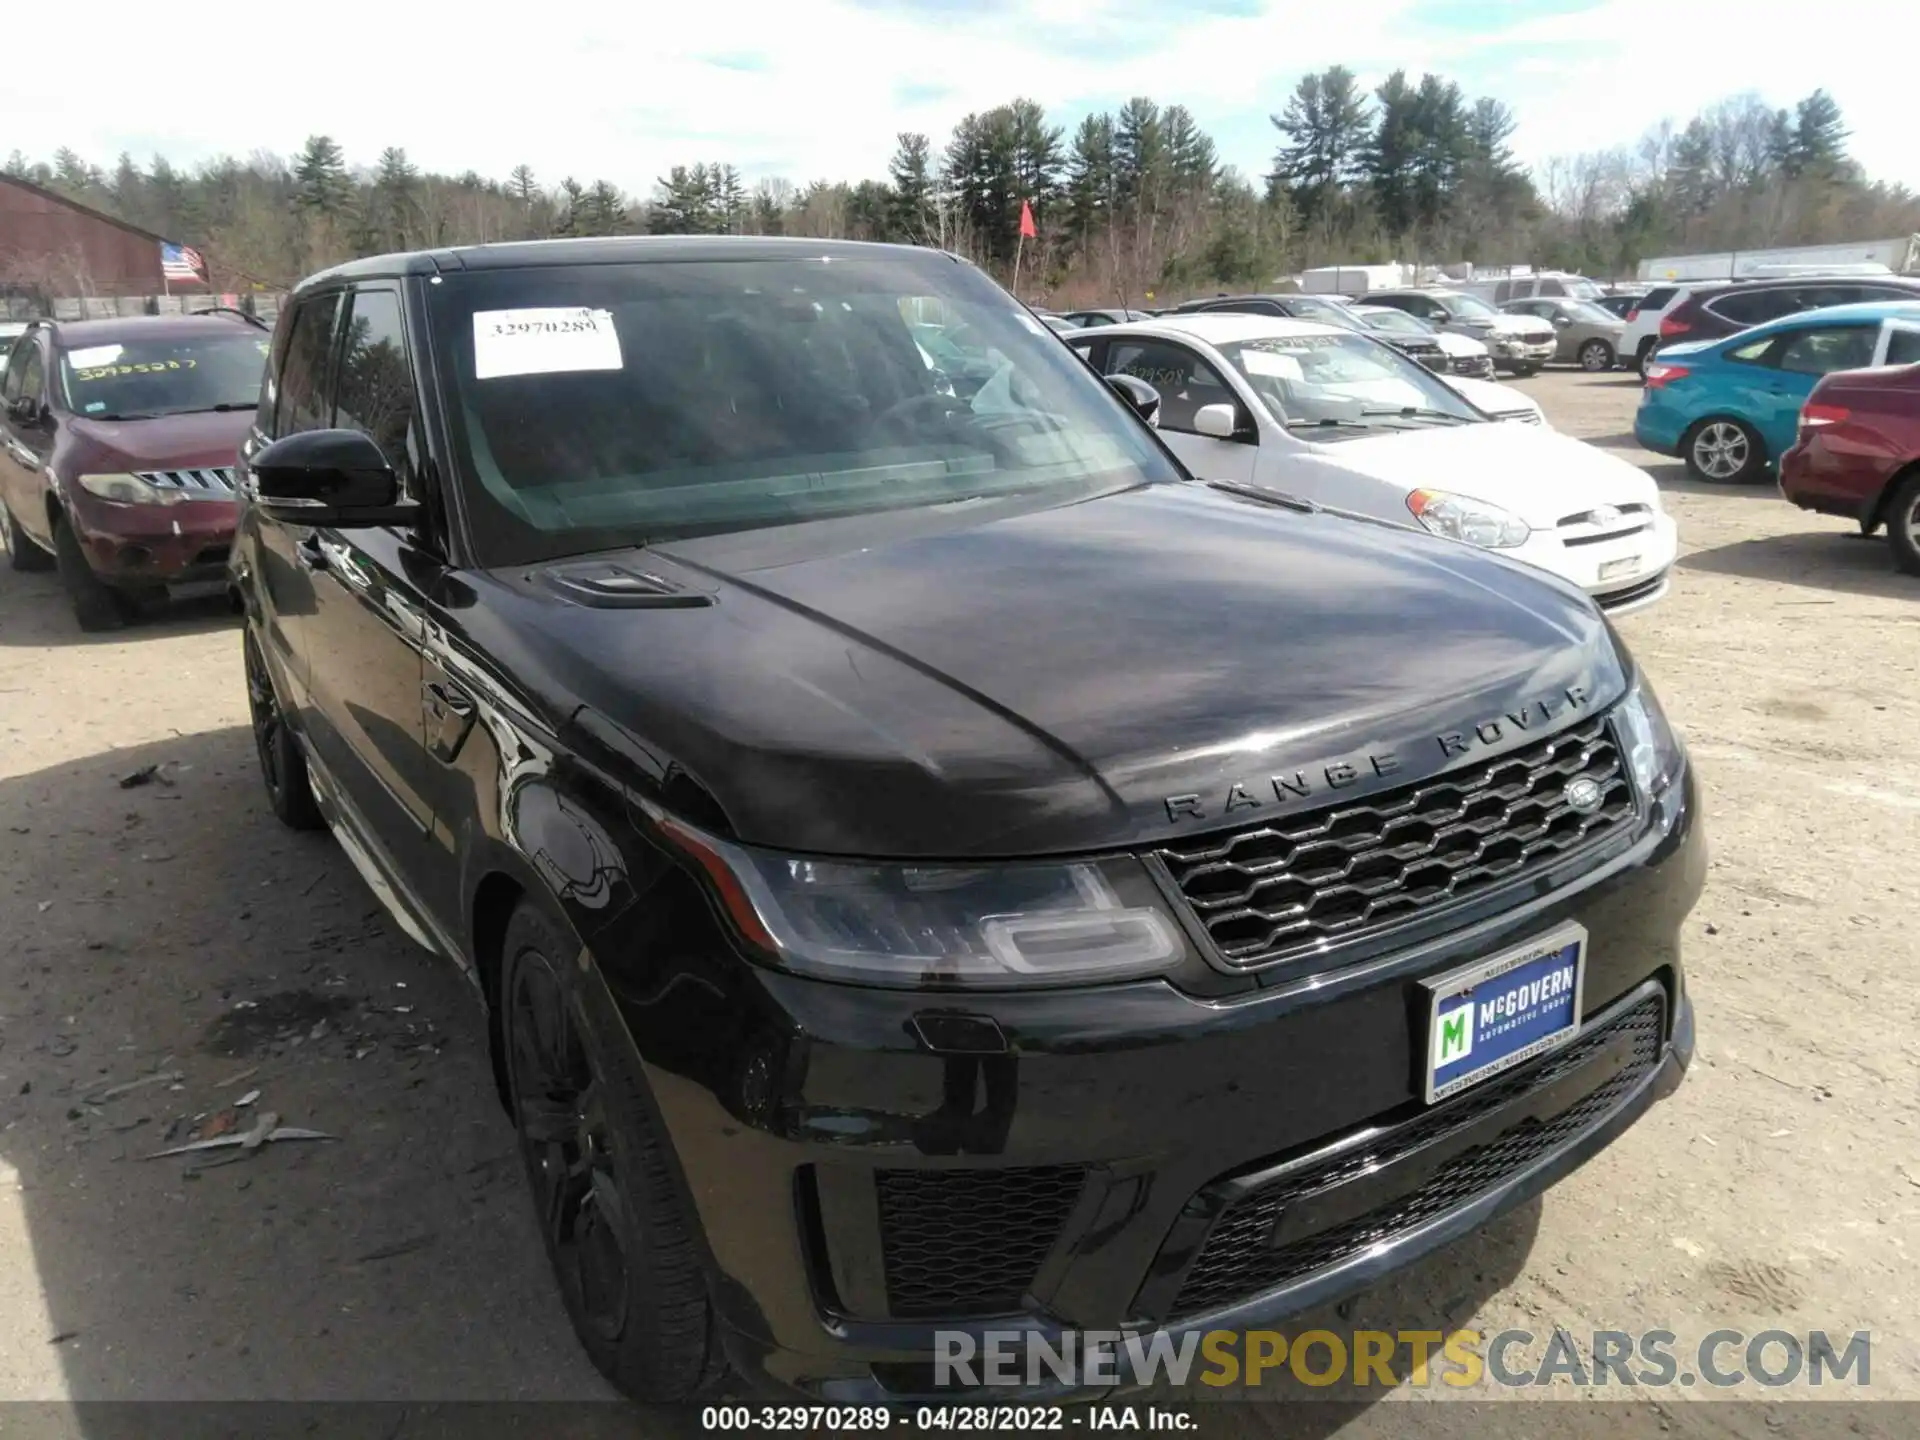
(119, 443)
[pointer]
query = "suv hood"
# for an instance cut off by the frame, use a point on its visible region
(1536, 472)
(933, 684)
(207, 440)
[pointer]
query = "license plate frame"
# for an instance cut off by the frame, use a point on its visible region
(1614, 569)
(1534, 1030)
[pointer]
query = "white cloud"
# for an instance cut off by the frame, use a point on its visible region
(819, 90)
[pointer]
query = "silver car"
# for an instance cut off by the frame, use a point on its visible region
(1589, 335)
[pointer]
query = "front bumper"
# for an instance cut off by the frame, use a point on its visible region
(156, 544)
(1477, 367)
(1513, 351)
(871, 1169)
(1620, 571)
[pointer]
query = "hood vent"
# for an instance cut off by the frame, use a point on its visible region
(616, 587)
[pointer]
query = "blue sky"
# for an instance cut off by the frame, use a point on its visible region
(810, 89)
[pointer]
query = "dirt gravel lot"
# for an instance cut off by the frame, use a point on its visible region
(174, 927)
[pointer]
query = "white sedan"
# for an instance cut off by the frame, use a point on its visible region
(1349, 422)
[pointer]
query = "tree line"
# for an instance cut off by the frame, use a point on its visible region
(1135, 202)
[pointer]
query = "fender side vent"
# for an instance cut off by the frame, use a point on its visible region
(615, 587)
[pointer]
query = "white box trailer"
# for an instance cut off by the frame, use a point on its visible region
(1900, 255)
(1352, 279)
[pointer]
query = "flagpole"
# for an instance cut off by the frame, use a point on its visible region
(1018, 250)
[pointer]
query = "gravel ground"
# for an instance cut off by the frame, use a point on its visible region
(172, 926)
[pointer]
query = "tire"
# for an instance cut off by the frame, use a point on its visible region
(1724, 451)
(283, 769)
(22, 553)
(1903, 524)
(1525, 372)
(1596, 356)
(1645, 355)
(96, 604)
(609, 1209)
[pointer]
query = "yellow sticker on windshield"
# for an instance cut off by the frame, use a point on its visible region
(138, 367)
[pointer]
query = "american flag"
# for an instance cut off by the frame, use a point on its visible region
(180, 262)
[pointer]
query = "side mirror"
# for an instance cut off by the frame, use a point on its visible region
(1562, 321)
(336, 479)
(1222, 422)
(1139, 394)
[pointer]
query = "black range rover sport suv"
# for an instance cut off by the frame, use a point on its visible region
(929, 863)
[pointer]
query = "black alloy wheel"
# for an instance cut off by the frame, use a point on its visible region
(1903, 523)
(610, 1216)
(283, 768)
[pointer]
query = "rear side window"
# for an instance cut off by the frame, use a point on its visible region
(375, 394)
(1756, 307)
(1828, 348)
(1657, 299)
(1552, 287)
(1903, 347)
(304, 383)
(1184, 380)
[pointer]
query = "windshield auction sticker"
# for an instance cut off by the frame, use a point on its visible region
(543, 342)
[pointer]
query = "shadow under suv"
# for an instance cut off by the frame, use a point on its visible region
(931, 865)
(120, 439)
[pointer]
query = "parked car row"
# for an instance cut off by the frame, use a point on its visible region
(1827, 399)
(1676, 314)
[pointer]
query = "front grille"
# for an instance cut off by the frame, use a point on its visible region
(1281, 888)
(1237, 1259)
(1473, 365)
(957, 1243)
(1639, 590)
(1595, 527)
(217, 481)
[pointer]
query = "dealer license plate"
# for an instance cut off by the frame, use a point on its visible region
(1494, 1014)
(1625, 565)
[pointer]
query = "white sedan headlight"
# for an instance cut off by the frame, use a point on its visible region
(128, 490)
(1459, 517)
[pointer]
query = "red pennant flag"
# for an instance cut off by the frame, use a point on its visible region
(1027, 230)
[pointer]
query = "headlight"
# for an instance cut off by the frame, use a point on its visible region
(1654, 752)
(1474, 521)
(128, 490)
(940, 926)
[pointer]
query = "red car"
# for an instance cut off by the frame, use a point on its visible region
(119, 443)
(1858, 455)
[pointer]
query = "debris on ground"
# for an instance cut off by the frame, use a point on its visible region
(398, 1247)
(113, 1092)
(265, 1131)
(247, 1099)
(145, 775)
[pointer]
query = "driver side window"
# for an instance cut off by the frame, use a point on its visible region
(1184, 381)
(1829, 348)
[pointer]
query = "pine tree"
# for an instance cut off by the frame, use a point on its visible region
(1392, 156)
(1819, 143)
(912, 217)
(1090, 179)
(1326, 129)
(322, 184)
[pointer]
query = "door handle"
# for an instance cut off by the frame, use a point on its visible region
(312, 553)
(450, 714)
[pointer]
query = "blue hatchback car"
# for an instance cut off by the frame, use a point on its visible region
(1730, 407)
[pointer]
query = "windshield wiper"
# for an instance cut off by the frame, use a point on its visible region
(130, 415)
(1418, 412)
(1264, 495)
(1329, 422)
(223, 408)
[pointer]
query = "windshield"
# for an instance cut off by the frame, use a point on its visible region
(142, 379)
(1344, 382)
(1397, 321)
(1464, 304)
(609, 405)
(1323, 312)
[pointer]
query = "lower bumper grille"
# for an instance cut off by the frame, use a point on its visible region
(1278, 889)
(1613, 599)
(960, 1243)
(1239, 1259)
